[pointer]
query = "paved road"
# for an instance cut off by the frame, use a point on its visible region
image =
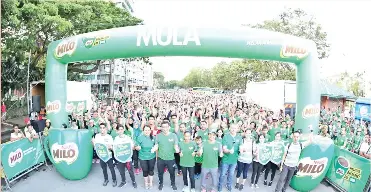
(51, 181)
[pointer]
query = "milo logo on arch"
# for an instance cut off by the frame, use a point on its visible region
(312, 168)
(67, 152)
(15, 157)
(53, 106)
(311, 111)
(65, 47)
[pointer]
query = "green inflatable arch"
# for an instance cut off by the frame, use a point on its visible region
(147, 41)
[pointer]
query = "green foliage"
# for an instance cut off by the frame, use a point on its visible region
(236, 74)
(33, 24)
(158, 80)
(354, 83)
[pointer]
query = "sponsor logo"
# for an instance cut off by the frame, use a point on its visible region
(53, 107)
(312, 168)
(15, 157)
(172, 37)
(69, 107)
(363, 111)
(293, 51)
(66, 47)
(311, 111)
(67, 152)
(90, 42)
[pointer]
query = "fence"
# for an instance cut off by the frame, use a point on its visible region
(21, 157)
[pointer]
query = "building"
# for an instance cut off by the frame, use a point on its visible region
(127, 76)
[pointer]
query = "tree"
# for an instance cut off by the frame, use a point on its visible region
(33, 24)
(158, 80)
(236, 74)
(355, 83)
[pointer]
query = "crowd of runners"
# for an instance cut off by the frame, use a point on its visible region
(200, 136)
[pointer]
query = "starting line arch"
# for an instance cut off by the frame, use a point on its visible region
(148, 41)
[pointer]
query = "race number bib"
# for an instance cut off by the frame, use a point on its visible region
(123, 152)
(102, 152)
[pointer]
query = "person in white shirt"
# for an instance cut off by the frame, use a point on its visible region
(365, 150)
(244, 159)
(107, 140)
(121, 138)
(17, 134)
(30, 133)
(290, 161)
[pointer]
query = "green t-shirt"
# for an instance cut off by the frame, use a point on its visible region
(231, 142)
(166, 144)
(272, 132)
(203, 134)
(113, 133)
(285, 134)
(220, 140)
(340, 140)
(357, 142)
(146, 144)
(187, 160)
(180, 136)
(128, 133)
(198, 159)
(210, 154)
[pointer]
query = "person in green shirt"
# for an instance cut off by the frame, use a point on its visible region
(147, 156)
(275, 128)
(341, 140)
(167, 145)
(180, 134)
(285, 133)
(198, 158)
(231, 143)
(357, 141)
(266, 135)
(187, 160)
(210, 151)
(203, 132)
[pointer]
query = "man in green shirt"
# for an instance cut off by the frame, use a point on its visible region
(167, 145)
(231, 143)
(203, 132)
(210, 151)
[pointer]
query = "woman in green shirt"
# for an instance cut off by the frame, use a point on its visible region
(187, 161)
(147, 156)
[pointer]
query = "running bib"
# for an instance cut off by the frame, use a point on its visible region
(123, 152)
(102, 152)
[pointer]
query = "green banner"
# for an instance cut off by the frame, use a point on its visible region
(102, 152)
(271, 152)
(123, 152)
(20, 155)
(349, 171)
(77, 107)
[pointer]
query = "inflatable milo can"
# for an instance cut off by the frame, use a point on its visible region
(314, 162)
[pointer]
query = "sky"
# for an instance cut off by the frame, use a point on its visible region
(344, 22)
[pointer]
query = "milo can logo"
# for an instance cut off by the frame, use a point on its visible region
(67, 152)
(312, 168)
(341, 167)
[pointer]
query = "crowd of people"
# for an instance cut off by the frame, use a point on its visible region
(202, 137)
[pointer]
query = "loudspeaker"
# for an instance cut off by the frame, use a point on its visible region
(36, 103)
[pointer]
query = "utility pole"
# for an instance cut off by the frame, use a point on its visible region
(111, 79)
(28, 83)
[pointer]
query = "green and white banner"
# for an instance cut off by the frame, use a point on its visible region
(102, 151)
(271, 152)
(349, 171)
(123, 152)
(18, 156)
(77, 107)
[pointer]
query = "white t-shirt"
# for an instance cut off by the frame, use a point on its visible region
(246, 157)
(365, 148)
(16, 135)
(293, 153)
(28, 133)
(106, 140)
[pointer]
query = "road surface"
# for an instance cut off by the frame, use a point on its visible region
(51, 181)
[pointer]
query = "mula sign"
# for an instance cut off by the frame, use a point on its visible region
(167, 36)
